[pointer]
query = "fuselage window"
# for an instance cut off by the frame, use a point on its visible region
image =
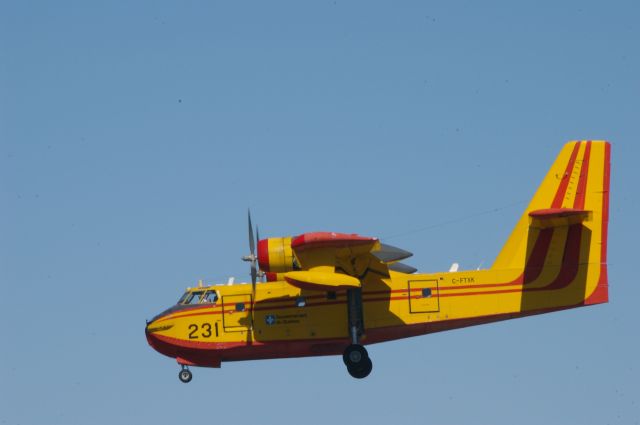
(239, 306)
(426, 293)
(301, 302)
(210, 297)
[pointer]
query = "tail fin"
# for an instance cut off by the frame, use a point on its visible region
(562, 235)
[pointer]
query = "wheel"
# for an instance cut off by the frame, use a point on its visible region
(185, 375)
(361, 371)
(354, 355)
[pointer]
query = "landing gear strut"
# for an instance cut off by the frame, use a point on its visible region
(355, 356)
(185, 374)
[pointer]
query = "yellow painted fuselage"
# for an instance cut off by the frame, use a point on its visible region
(554, 259)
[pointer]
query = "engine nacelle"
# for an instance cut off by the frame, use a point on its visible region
(275, 255)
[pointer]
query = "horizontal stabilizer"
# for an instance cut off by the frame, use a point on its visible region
(556, 217)
(402, 268)
(389, 254)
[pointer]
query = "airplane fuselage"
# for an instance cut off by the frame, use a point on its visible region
(334, 293)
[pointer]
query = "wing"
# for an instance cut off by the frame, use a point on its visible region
(331, 261)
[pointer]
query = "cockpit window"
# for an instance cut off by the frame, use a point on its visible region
(198, 297)
(210, 297)
(183, 297)
(194, 297)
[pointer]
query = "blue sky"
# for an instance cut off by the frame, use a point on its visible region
(134, 135)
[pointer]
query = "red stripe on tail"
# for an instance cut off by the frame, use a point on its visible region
(562, 189)
(581, 192)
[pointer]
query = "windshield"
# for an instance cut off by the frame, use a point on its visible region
(183, 297)
(194, 297)
(210, 297)
(198, 297)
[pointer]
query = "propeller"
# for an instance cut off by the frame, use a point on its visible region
(252, 258)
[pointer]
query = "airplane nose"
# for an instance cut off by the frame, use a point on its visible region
(148, 324)
(154, 330)
(149, 330)
(157, 338)
(155, 327)
(150, 338)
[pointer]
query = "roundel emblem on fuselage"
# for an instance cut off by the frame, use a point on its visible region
(270, 319)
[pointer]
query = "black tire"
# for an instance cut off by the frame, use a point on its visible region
(185, 376)
(361, 371)
(354, 355)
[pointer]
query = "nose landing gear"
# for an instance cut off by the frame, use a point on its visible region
(185, 374)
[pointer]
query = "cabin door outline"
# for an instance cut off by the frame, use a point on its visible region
(424, 296)
(236, 312)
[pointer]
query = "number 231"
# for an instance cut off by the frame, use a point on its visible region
(206, 331)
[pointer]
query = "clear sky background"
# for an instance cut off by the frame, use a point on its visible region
(135, 135)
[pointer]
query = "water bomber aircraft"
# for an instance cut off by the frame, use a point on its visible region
(327, 293)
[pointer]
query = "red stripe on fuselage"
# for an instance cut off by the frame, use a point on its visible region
(211, 353)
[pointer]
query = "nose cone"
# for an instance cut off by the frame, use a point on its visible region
(154, 332)
(149, 331)
(149, 334)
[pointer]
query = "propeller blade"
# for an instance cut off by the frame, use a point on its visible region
(252, 242)
(254, 275)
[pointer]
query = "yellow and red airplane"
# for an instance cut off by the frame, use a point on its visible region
(332, 293)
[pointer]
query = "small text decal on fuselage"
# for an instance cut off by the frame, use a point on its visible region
(277, 319)
(463, 280)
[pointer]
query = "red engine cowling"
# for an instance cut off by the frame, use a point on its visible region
(275, 255)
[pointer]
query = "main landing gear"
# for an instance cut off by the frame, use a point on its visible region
(357, 360)
(185, 374)
(355, 356)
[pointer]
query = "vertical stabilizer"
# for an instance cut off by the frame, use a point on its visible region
(562, 235)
